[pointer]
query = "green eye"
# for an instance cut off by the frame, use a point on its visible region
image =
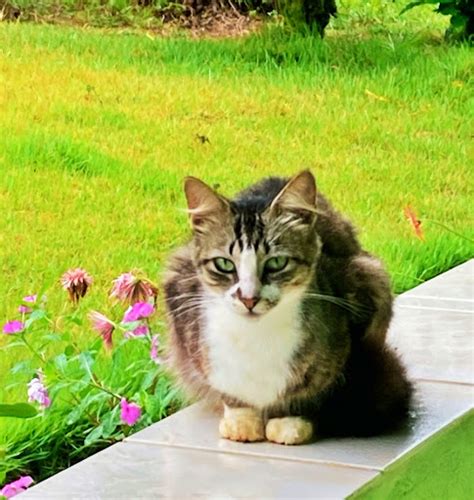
(224, 265)
(276, 264)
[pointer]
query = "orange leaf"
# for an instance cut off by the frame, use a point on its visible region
(414, 221)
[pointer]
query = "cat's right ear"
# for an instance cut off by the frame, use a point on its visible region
(205, 206)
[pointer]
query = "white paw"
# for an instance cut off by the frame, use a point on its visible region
(242, 424)
(289, 430)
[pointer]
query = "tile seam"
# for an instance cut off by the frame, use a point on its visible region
(334, 463)
(442, 381)
(408, 295)
(444, 309)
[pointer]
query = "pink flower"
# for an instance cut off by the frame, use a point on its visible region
(139, 331)
(76, 282)
(132, 289)
(31, 299)
(104, 326)
(15, 487)
(14, 326)
(138, 311)
(155, 344)
(130, 412)
(38, 392)
(24, 309)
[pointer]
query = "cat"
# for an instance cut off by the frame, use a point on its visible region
(276, 312)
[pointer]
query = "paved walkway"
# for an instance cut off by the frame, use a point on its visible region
(182, 456)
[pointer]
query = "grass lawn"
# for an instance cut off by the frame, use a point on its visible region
(98, 129)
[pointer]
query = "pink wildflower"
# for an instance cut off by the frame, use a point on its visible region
(155, 344)
(104, 326)
(31, 299)
(132, 289)
(24, 309)
(138, 311)
(130, 412)
(38, 392)
(14, 326)
(76, 282)
(139, 331)
(15, 487)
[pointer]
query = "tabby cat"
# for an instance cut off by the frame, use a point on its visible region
(277, 312)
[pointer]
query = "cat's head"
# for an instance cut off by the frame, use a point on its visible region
(259, 250)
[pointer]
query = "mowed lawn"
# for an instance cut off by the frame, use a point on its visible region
(98, 129)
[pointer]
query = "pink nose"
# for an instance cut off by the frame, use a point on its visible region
(248, 302)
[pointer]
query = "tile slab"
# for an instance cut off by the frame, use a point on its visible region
(436, 405)
(457, 283)
(429, 303)
(135, 471)
(434, 344)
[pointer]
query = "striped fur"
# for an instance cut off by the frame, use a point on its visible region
(313, 345)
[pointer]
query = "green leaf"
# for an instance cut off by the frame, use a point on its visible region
(94, 435)
(417, 3)
(69, 350)
(35, 316)
(21, 366)
(52, 336)
(131, 326)
(60, 361)
(75, 320)
(86, 360)
(458, 21)
(110, 422)
(18, 410)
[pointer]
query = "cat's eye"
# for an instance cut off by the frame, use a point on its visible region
(276, 264)
(224, 265)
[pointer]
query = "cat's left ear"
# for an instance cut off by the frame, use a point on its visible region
(298, 195)
(205, 206)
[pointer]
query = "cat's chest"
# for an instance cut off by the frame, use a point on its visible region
(251, 360)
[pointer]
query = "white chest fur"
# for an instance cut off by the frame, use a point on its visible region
(250, 359)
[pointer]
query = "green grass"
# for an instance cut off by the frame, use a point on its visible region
(98, 129)
(438, 468)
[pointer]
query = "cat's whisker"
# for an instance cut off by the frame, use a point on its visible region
(189, 306)
(355, 308)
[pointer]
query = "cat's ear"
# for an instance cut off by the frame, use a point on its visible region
(299, 194)
(204, 204)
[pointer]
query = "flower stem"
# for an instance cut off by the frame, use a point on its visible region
(447, 228)
(32, 349)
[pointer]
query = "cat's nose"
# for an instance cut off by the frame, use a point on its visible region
(248, 302)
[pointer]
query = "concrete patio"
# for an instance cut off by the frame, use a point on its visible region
(183, 457)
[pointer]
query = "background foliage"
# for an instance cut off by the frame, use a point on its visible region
(189, 13)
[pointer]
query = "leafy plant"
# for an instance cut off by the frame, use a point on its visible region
(96, 392)
(461, 12)
(18, 410)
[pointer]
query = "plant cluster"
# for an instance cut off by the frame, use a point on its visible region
(102, 387)
(462, 16)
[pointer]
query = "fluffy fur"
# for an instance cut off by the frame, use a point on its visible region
(276, 311)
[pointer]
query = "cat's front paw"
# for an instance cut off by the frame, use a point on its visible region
(289, 430)
(242, 424)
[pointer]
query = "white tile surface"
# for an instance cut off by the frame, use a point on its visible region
(436, 405)
(435, 344)
(136, 471)
(439, 304)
